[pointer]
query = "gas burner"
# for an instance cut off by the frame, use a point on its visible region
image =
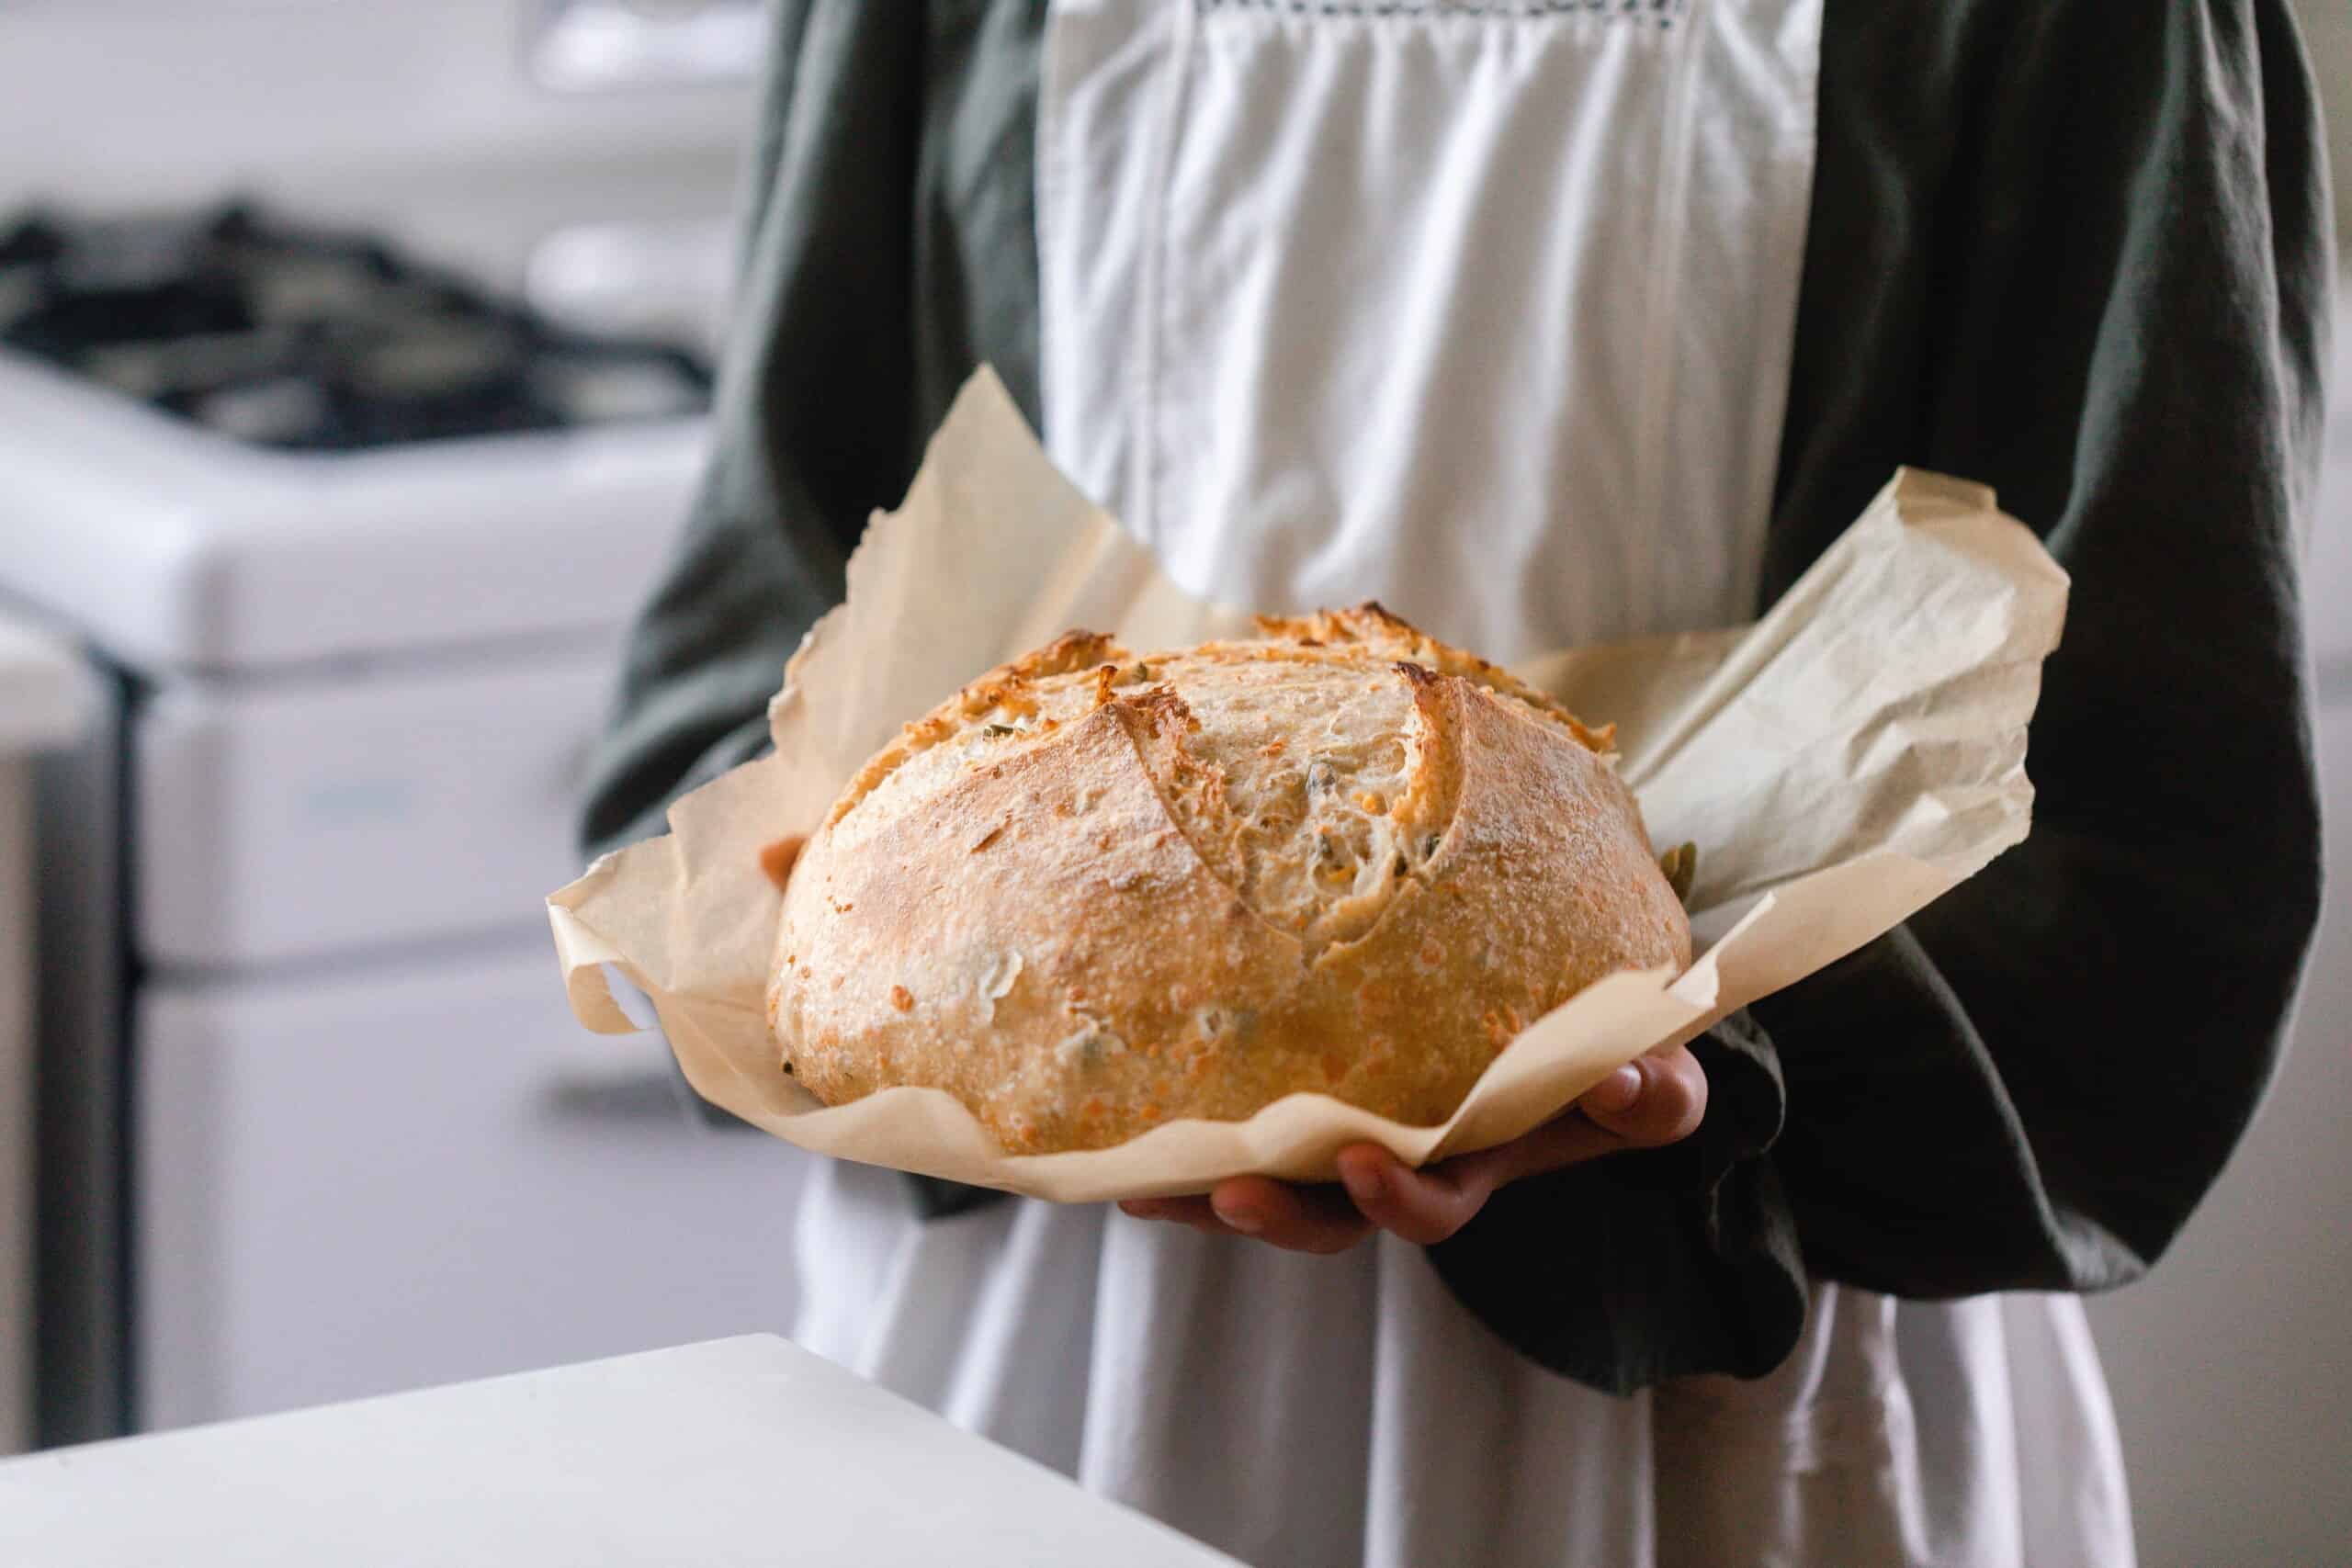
(305, 340)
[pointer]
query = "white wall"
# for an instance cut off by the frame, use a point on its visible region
(2327, 30)
(416, 116)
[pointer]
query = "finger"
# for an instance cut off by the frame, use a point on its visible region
(1423, 1207)
(1617, 1092)
(1564, 1141)
(1193, 1212)
(1302, 1219)
(1667, 1102)
(1656, 1100)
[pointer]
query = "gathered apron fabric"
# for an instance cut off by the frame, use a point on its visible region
(1484, 311)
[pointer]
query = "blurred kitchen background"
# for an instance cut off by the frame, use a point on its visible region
(352, 363)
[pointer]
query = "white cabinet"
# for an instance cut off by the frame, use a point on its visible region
(287, 819)
(353, 1183)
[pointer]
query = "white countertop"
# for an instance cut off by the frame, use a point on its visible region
(748, 1451)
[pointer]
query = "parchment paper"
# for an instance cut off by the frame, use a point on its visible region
(1845, 760)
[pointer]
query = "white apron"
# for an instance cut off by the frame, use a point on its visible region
(1485, 311)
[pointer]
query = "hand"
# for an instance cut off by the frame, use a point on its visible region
(1658, 1099)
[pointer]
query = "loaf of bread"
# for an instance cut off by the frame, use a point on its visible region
(1094, 892)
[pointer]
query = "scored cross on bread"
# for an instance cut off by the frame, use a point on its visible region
(1095, 891)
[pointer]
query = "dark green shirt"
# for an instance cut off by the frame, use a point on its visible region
(2076, 251)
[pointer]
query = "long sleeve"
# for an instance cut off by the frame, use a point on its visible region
(812, 415)
(2128, 349)
(888, 249)
(2081, 252)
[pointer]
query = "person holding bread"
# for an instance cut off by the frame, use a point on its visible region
(1541, 324)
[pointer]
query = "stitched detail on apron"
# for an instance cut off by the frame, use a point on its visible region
(1662, 12)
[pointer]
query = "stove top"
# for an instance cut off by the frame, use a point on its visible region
(358, 456)
(306, 340)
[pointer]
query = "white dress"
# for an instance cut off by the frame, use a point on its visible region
(1483, 309)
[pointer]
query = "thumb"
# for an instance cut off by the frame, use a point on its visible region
(1657, 1098)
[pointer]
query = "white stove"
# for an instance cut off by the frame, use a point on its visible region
(373, 639)
(353, 574)
(176, 549)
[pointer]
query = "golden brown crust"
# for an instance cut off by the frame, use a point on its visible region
(1374, 626)
(1007, 688)
(1089, 893)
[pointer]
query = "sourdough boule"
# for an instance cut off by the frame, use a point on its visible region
(1096, 891)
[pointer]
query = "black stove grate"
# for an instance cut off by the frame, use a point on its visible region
(307, 340)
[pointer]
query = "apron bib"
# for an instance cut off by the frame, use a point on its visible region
(1484, 311)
